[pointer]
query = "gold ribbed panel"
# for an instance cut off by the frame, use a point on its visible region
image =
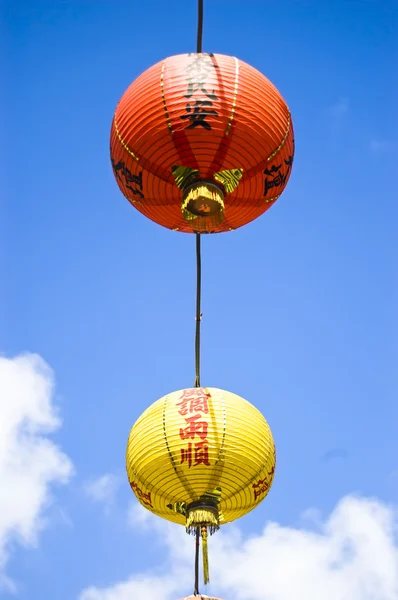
(197, 440)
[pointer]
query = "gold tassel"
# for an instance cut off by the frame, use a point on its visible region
(205, 555)
(202, 516)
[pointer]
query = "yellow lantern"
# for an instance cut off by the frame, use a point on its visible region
(201, 457)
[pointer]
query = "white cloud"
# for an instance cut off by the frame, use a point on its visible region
(353, 554)
(29, 461)
(144, 519)
(103, 489)
(140, 588)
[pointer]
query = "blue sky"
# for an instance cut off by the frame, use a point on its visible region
(300, 307)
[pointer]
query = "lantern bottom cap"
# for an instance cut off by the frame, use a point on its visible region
(200, 514)
(203, 202)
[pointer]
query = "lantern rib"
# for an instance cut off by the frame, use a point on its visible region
(165, 436)
(228, 129)
(166, 110)
(224, 430)
(122, 142)
(273, 199)
(215, 479)
(279, 148)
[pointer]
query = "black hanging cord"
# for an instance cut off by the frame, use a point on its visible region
(196, 588)
(200, 27)
(198, 250)
(198, 311)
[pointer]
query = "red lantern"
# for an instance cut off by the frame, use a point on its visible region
(202, 143)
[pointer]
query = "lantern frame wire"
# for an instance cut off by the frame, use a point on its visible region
(198, 304)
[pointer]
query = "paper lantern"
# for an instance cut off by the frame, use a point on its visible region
(202, 143)
(200, 457)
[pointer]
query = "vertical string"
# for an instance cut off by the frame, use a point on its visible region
(198, 249)
(200, 27)
(198, 311)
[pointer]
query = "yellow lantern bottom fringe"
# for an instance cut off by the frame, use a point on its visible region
(200, 514)
(203, 515)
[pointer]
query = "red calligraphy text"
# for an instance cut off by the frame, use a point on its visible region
(195, 427)
(193, 401)
(198, 454)
(260, 487)
(144, 497)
